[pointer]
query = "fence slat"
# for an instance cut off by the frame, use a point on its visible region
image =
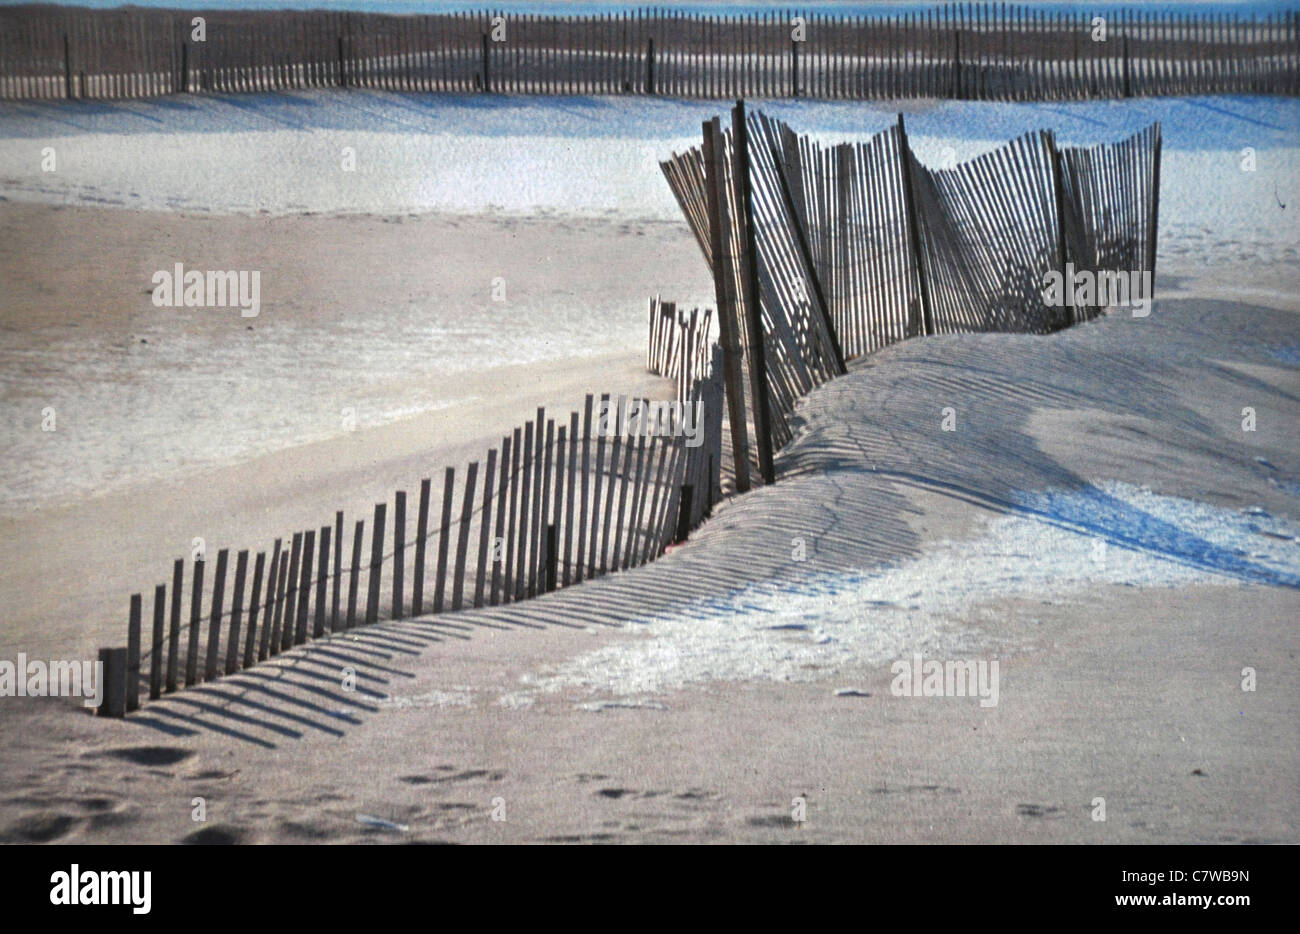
(236, 613)
(444, 532)
(214, 617)
(462, 539)
(174, 629)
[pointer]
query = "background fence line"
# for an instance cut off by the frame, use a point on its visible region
(966, 51)
(509, 537)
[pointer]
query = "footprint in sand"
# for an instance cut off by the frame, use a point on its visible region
(39, 828)
(147, 755)
(217, 835)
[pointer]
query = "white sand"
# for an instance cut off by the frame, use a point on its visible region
(1121, 682)
(661, 704)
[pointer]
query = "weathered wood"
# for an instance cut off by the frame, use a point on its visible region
(485, 529)
(376, 562)
(749, 298)
(444, 533)
(497, 550)
(174, 629)
(113, 672)
(421, 538)
(462, 537)
(580, 558)
(569, 478)
(304, 587)
(322, 581)
(728, 317)
(399, 554)
(236, 613)
(338, 571)
(354, 577)
(512, 521)
(214, 617)
(291, 593)
(552, 546)
(156, 649)
(196, 622)
(254, 610)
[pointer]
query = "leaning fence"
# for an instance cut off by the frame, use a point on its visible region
(984, 51)
(555, 504)
(822, 254)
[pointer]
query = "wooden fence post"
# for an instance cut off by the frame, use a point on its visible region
(684, 512)
(462, 536)
(156, 659)
(354, 581)
(112, 682)
(552, 542)
(728, 324)
(67, 67)
(174, 629)
(254, 611)
(1153, 223)
(196, 622)
(750, 299)
(133, 656)
(650, 66)
(376, 562)
(913, 224)
(236, 613)
(421, 535)
(214, 619)
(304, 587)
(794, 68)
(399, 552)
(1058, 187)
(322, 581)
(338, 570)
(1128, 83)
(440, 582)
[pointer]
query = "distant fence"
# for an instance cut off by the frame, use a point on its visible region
(822, 254)
(679, 345)
(964, 51)
(553, 506)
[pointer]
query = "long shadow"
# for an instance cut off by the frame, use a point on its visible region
(867, 442)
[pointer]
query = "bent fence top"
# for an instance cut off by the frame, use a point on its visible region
(985, 51)
(820, 254)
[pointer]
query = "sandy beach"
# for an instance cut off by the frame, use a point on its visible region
(1098, 523)
(615, 711)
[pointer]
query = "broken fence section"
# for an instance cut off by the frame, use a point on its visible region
(821, 254)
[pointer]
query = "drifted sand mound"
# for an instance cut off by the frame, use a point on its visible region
(1098, 521)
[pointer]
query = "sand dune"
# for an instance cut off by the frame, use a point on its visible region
(1123, 685)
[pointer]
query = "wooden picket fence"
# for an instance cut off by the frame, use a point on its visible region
(984, 51)
(823, 254)
(554, 505)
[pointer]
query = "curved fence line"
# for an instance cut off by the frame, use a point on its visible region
(556, 505)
